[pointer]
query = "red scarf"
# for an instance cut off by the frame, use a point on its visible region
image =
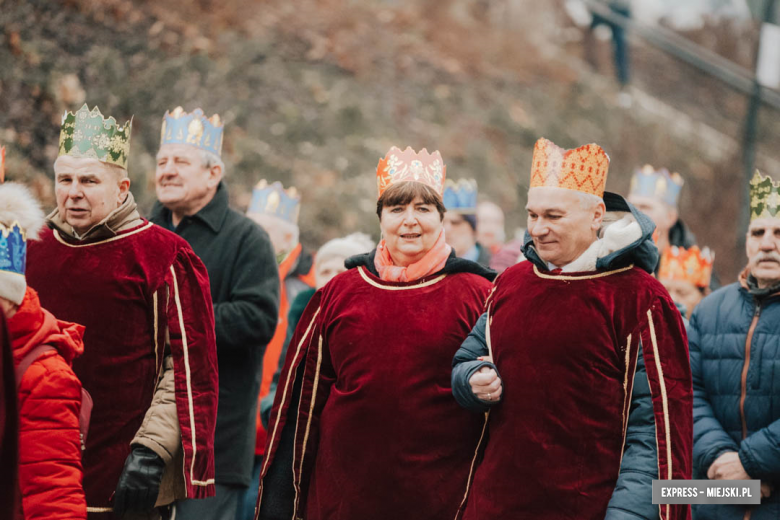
(432, 262)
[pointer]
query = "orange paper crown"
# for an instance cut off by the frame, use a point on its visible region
(582, 169)
(398, 166)
(692, 265)
(2, 164)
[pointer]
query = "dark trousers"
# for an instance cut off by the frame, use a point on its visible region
(222, 506)
(246, 509)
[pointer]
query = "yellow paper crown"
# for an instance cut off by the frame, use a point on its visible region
(581, 169)
(691, 265)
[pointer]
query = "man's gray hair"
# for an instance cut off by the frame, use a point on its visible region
(588, 201)
(209, 159)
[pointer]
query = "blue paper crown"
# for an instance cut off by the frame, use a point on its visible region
(274, 200)
(13, 249)
(460, 196)
(195, 129)
(649, 182)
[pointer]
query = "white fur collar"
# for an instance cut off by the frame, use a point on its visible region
(614, 236)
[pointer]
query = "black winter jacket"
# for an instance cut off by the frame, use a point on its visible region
(245, 288)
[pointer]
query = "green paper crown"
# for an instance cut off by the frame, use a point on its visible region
(88, 134)
(764, 197)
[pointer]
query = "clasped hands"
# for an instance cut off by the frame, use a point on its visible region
(485, 383)
(729, 467)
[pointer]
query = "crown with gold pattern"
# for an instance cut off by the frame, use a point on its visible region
(2, 164)
(660, 184)
(397, 166)
(581, 169)
(195, 129)
(764, 197)
(691, 265)
(273, 199)
(87, 134)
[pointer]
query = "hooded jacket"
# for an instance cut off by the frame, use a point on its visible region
(50, 472)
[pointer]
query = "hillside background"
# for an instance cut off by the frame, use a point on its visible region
(313, 93)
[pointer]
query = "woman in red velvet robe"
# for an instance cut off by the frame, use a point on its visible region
(364, 424)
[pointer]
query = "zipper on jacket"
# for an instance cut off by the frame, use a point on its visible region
(745, 366)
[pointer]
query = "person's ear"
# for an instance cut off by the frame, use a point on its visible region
(124, 188)
(671, 217)
(215, 175)
(598, 216)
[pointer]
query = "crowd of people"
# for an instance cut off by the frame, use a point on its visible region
(200, 363)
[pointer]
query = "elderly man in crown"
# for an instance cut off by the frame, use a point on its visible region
(594, 397)
(734, 341)
(150, 360)
(238, 254)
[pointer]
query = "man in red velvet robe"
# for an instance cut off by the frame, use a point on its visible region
(150, 354)
(576, 428)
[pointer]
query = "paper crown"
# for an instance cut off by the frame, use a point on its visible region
(581, 169)
(2, 164)
(460, 196)
(764, 197)
(87, 134)
(273, 199)
(13, 249)
(691, 265)
(195, 129)
(398, 166)
(660, 184)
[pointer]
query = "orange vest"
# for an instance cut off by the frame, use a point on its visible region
(274, 348)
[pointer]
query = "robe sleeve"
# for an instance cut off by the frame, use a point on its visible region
(9, 426)
(303, 389)
(465, 364)
(665, 353)
(248, 319)
(190, 319)
(632, 498)
(710, 440)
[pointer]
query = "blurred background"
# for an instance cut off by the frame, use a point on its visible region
(314, 92)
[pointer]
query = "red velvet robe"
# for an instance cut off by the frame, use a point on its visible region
(378, 434)
(9, 427)
(127, 291)
(566, 348)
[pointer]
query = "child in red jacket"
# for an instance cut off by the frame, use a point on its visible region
(50, 472)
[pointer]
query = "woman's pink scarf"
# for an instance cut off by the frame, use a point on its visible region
(432, 262)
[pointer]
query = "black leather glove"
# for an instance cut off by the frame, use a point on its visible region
(139, 483)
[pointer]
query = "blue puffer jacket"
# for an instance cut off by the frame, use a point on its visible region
(722, 328)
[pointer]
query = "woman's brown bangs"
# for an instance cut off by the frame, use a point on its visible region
(404, 193)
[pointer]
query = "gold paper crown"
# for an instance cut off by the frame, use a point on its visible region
(2, 164)
(581, 169)
(764, 197)
(408, 165)
(691, 265)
